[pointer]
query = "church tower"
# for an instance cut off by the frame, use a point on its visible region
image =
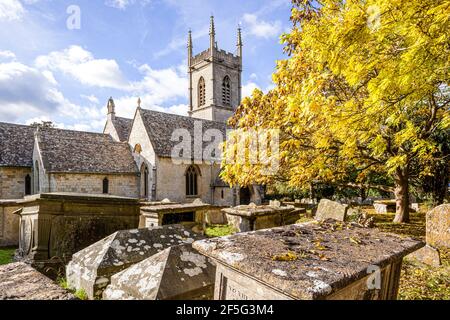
(214, 79)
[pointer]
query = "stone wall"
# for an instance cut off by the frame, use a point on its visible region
(110, 129)
(12, 182)
(171, 183)
(9, 223)
(124, 185)
(138, 135)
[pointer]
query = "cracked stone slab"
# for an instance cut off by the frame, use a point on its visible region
(176, 273)
(92, 267)
(19, 281)
(304, 261)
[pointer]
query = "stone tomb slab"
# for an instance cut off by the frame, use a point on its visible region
(328, 209)
(19, 281)
(91, 268)
(310, 261)
(171, 213)
(438, 226)
(252, 217)
(176, 273)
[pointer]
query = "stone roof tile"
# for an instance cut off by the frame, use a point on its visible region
(123, 127)
(160, 127)
(84, 152)
(16, 145)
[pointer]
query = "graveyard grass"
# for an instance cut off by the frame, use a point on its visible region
(6, 255)
(418, 281)
(219, 230)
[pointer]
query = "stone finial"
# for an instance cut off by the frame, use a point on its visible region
(239, 41)
(111, 106)
(189, 45)
(212, 28)
(190, 48)
(212, 35)
(139, 102)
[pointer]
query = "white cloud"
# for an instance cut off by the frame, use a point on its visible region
(11, 10)
(261, 28)
(28, 93)
(123, 4)
(90, 98)
(25, 91)
(248, 88)
(161, 85)
(81, 65)
(7, 55)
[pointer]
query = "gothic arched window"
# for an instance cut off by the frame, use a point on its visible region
(144, 183)
(226, 91)
(105, 186)
(192, 181)
(27, 185)
(201, 92)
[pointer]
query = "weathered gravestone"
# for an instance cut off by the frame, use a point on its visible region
(176, 273)
(384, 206)
(92, 267)
(331, 210)
(252, 217)
(438, 226)
(310, 261)
(427, 255)
(19, 281)
(437, 236)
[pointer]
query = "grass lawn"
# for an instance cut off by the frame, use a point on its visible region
(6, 255)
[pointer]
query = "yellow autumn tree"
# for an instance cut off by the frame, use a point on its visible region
(365, 89)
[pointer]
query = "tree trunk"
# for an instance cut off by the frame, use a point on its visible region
(401, 196)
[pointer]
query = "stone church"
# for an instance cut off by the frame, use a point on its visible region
(133, 157)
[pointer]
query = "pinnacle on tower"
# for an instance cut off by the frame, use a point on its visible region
(111, 106)
(239, 42)
(212, 35)
(189, 45)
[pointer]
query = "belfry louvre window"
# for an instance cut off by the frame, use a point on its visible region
(226, 91)
(201, 92)
(191, 181)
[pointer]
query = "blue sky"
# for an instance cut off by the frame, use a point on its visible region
(125, 49)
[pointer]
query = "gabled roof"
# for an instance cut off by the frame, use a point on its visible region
(67, 151)
(123, 127)
(16, 145)
(160, 126)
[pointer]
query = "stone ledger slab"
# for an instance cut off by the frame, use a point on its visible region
(328, 260)
(19, 281)
(251, 217)
(176, 273)
(91, 268)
